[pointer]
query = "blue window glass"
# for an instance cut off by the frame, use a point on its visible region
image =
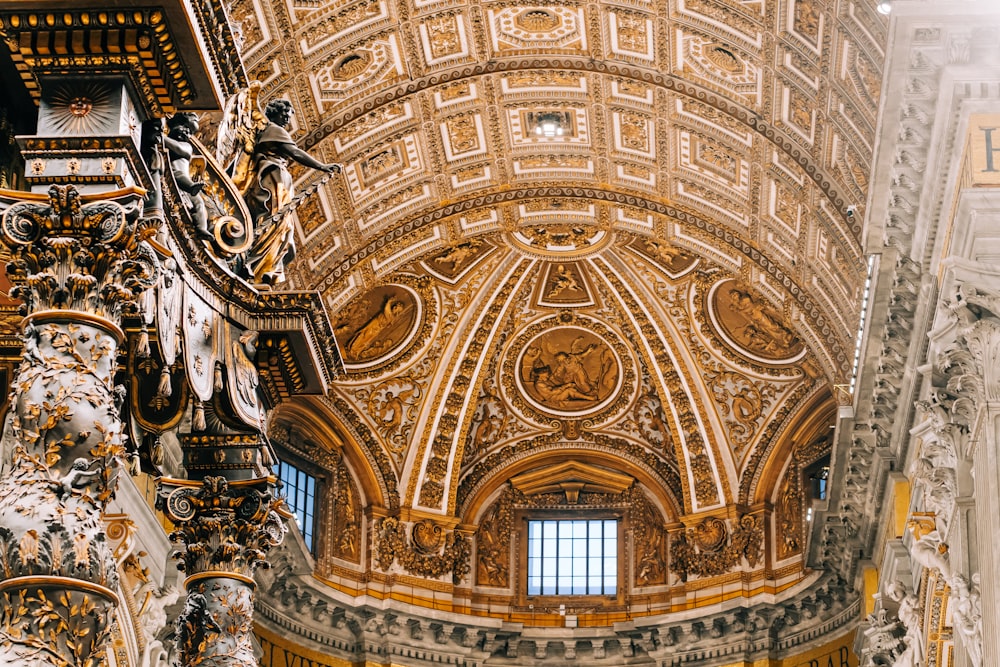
(572, 557)
(300, 496)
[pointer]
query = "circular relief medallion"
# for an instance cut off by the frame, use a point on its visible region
(752, 326)
(569, 367)
(378, 325)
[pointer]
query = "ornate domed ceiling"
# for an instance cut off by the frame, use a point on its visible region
(623, 235)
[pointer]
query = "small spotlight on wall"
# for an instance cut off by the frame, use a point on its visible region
(884, 6)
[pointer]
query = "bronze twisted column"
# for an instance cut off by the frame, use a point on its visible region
(79, 262)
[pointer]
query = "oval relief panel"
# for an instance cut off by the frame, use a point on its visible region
(378, 325)
(751, 326)
(569, 367)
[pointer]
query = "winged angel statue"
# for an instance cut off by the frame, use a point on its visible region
(255, 232)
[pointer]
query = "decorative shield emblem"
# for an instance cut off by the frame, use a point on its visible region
(168, 310)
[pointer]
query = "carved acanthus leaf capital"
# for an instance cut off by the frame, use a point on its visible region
(223, 526)
(77, 252)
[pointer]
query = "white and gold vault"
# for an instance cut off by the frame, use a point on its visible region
(718, 275)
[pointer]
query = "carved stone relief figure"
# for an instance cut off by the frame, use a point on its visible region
(458, 257)
(569, 369)
(649, 540)
(652, 421)
(754, 325)
(376, 324)
(967, 616)
(788, 511)
(493, 543)
(429, 551)
(347, 517)
(910, 616)
(487, 423)
(713, 547)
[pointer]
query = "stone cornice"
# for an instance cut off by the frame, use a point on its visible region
(324, 619)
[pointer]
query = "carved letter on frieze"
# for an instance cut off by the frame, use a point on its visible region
(79, 262)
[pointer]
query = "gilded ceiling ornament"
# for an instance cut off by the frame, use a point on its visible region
(392, 404)
(543, 78)
(346, 533)
(488, 423)
(565, 284)
(568, 371)
(634, 131)
(463, 133)
(377, 325)
(807, 19)
(788, 513)
(724, 58)
(368, 123)
(455, 260)
(631, 31)
(713, 547)
(537, 27)
(537, 20)
(674, 260)
(742, 402)
(752, 326)
(493, 542)
(443, 34)
(649, 538)
(429, 552)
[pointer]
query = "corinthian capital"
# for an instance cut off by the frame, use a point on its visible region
(76, 252)
(226, 527)
(983, 340)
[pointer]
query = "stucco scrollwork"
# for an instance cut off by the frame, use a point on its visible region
(713, 547)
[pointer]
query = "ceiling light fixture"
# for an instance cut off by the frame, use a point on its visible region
(550, 125)
(884, 6)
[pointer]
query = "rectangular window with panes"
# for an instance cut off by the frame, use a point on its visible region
(573, 557)
(299, 489)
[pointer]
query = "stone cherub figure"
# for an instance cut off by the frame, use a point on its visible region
(272, 192)
(181, 127)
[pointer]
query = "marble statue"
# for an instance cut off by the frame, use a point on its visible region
(909, 615)
(967, 616)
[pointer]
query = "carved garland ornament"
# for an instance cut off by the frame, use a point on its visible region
(428, 552)
(711, 548)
